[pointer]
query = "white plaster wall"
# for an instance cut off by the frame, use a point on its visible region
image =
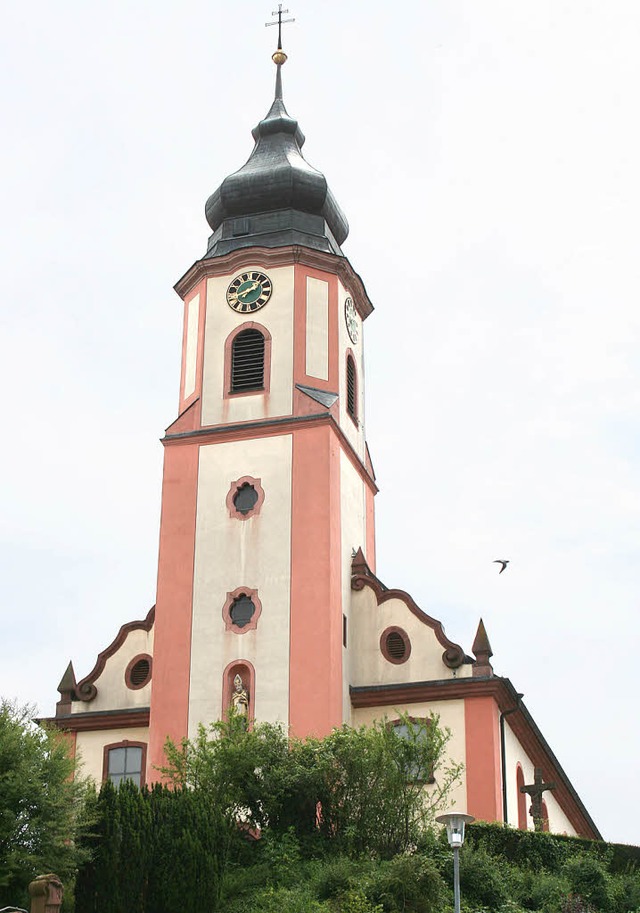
(355, 435)
(191, 346)
(277, 317)
(113, 693)
(232, 553)
(451, 714)
(353, 536)
(514, 754)
(90, 747)
(369, 667)
(317, 329)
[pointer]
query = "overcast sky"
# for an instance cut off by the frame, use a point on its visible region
(486, 155)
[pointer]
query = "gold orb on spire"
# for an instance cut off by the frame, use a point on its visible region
(279, 57)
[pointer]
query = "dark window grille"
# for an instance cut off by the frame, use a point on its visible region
(242, 611)
(396, 647)
(351, 388)
(140, 672)
(245, 498)
(247, 361)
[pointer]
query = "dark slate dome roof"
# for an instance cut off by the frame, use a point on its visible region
(277, 198)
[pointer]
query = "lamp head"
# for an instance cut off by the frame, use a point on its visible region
(455, 823)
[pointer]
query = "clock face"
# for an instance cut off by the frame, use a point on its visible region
(351, 319)
(249, 292)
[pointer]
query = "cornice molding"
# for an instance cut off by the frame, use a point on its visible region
(453, 656)
(520, 721)
(99, 720)
(86, 690)
(279, 256)
(268, 428)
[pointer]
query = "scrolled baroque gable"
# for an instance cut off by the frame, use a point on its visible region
(397, 641)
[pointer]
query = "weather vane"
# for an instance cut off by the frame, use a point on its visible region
(279, 13)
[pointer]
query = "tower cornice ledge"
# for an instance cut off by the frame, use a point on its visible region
(268, 428)
(278, 256)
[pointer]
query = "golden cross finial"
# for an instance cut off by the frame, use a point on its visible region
(279, 57)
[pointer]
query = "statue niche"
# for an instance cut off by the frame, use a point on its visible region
(239, 696)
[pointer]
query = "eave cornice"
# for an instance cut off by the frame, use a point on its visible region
(93, 721)
(278, 256)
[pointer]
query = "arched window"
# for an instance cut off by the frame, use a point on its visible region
(124, 761)
(352, 389)
(545, 817)
(417, 733)
(247, 361)
(522, 800)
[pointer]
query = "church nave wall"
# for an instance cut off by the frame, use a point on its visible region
(516, 755)
(451, 715)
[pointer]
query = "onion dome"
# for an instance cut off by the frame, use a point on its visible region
(277, 198)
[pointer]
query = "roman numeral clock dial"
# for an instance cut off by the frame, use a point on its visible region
(249, 292)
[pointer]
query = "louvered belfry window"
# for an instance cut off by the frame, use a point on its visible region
(352, 408)
(247, 361)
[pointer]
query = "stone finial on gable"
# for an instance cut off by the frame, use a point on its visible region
(482, 651)
(66, 688)
(359, 566)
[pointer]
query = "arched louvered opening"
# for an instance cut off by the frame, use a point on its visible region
(247, 361)
(352, 389)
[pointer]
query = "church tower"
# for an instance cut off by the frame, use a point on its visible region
(267, 594)
(268, 488)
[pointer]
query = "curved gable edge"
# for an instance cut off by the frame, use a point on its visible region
(453, 655)
(85, 689)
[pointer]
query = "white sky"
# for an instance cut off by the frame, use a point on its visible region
(486, 155)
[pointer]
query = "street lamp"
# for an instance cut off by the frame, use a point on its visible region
(454, 823)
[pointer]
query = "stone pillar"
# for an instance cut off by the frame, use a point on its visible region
(46, 894)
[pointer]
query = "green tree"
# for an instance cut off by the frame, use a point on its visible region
(41, 804)
(382, 790)
(357, 790)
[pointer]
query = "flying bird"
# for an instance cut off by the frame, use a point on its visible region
(503, 563)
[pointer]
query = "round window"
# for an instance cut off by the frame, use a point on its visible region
(138, 672)
(242, 611)
(395, 645)
(245, 499)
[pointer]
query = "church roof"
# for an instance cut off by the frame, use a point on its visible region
(277, 198)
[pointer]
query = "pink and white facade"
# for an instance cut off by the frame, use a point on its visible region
(323, 642)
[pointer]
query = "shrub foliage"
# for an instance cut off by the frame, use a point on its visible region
(41, 805)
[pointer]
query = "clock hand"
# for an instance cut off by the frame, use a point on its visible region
(251, 288)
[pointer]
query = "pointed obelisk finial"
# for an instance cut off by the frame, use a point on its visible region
(66, 689)
(279, 57)
(482, 651)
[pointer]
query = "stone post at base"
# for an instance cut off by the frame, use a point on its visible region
(46, 894)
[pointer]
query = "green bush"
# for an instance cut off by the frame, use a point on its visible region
(157, 850)
(355, 901)
(543, 891)
(410, 883)
(588, 878)
(285, 900)
(337, 876)
(483, 878)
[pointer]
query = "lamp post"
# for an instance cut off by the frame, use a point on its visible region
(454, 823)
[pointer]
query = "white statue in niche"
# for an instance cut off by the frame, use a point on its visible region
(240, 696)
